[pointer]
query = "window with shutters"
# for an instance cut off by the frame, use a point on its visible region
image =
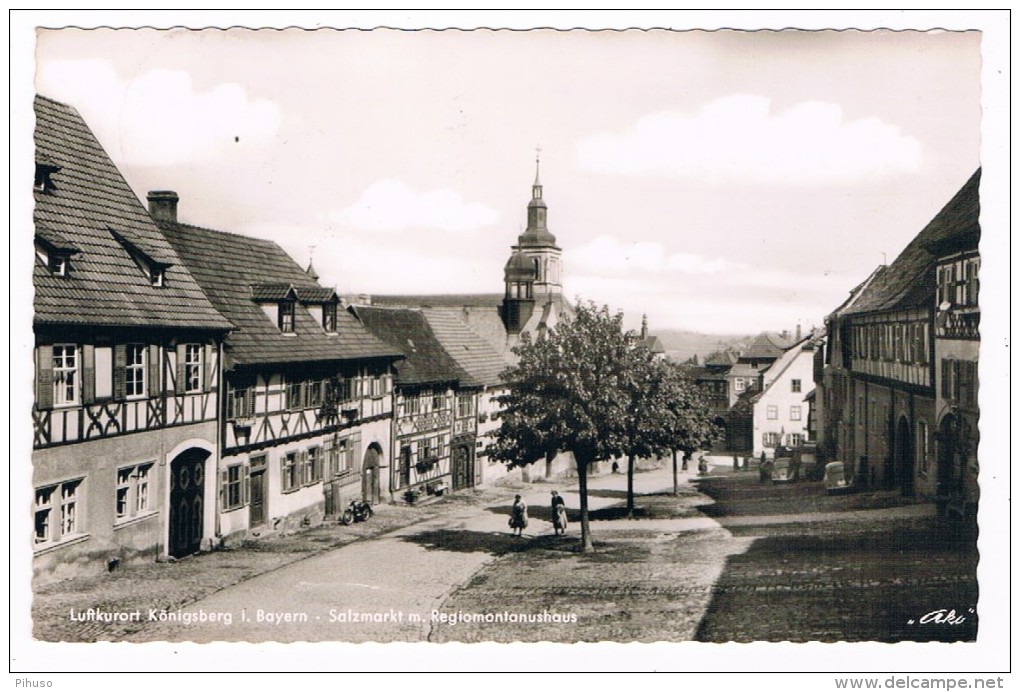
(192, 368)
(58, 514)
(290, 472)
(294, 398)
(65, 375)
(312, 467)
(134, 497)
(240, 404)
(233, 487)
(313, 393)
(770, 439)
(134, 371)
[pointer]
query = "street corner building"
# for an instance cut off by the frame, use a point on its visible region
(192, 387)
(898, 394)
(127, 352)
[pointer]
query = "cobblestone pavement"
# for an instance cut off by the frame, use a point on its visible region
(171, 586)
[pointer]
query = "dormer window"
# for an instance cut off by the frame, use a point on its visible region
(157, 276)
(329, 318)
(43, 180)
(58, 263)
(287, 317)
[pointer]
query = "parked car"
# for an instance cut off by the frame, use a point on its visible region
(835, 478)
(782, 470)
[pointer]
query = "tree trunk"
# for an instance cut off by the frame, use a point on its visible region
(676, 483)
(630, 486)
(582, 488)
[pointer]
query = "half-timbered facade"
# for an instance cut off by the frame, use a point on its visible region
(881, 370)
(435, 404)
(127, 362)
(954, 453)
(307, 406)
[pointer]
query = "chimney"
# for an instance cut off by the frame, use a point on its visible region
(644, 326)
(163, 205)
(798, 332)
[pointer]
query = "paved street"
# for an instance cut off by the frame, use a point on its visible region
(385, 589)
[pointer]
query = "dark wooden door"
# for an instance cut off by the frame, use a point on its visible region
(463, 473)
(187, 493)
(257, 516)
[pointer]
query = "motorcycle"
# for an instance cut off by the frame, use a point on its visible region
(357, 510)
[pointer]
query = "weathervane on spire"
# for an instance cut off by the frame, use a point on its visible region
(538, 154)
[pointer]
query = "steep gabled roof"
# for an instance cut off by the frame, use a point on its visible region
(406, 330)
(90, 208)
(765, 345)
(483, 362)
(909, 281)
(232, 269)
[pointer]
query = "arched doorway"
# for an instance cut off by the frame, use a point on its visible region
(370, 474)
(904, 457)
(187, 502)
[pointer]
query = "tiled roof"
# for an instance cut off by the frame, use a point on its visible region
(54, 240)
(765, 345)
(653, 344)
(89, 203)
(308, 294)
(910, 280)
(446, 300)
(228, 267)
(407, 330)
(483, 362)
(722, 358)
(273, 292)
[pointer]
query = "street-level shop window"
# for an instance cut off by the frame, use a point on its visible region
(57, 516)
(133, 491)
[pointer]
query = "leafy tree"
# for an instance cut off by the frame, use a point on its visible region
(646, 426)
(688, 423)
(567, 393)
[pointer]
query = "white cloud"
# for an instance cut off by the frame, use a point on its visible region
(157, 118)
(740, 139)
(609, 255)
(392, 205)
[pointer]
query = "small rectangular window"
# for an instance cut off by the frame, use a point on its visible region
(795, 413)
(289, 462)
(193, 368)
(329, 317)
(133, 497)
(57, 512)
(134, 373)
(772, 412)
(287, 316)
(65, 374)
(233, 487)
(794, 385)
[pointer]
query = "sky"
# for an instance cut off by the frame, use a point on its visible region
(724, 182)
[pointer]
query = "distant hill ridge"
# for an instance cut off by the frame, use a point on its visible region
(680, 344)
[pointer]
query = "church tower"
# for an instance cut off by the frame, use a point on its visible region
(533, 272)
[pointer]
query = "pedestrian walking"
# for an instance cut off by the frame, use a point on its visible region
(518, 516)
(559, 514)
